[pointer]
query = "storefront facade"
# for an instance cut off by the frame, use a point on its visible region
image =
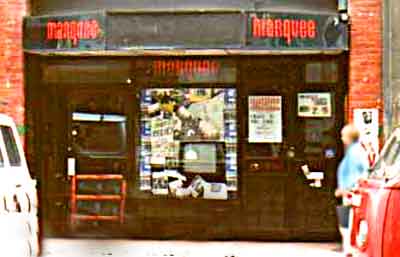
(187, 124)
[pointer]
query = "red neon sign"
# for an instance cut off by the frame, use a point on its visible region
(72, 30)
(186, 67)
(288, 29)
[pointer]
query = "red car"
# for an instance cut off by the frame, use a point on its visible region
(376, 202)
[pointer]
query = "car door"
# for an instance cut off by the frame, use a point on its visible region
(390, 232)
(16, 159)
(18, 194)
(391, 222)
(370, 214)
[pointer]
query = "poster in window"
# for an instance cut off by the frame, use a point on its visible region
(314, 105)
(265, 119)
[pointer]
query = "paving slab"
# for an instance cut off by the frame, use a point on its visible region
(134, 248)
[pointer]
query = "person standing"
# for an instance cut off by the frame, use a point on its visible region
(353, 166)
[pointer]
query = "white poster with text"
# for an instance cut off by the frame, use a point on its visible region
(265, 119)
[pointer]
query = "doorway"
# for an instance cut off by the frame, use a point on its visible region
(291, 123)
(88, 160)
(97, 158)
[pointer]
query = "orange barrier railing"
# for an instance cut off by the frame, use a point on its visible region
(75, 197)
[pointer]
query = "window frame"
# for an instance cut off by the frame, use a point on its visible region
(4, 147)
(380, 170)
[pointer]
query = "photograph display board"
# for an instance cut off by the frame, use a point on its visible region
(314, 105)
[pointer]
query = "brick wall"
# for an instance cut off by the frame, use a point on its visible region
(365, 75)
(11, 60)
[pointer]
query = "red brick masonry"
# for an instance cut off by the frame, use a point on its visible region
(11, 60)
(365, 75)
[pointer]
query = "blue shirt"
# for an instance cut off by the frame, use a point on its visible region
(353, 166)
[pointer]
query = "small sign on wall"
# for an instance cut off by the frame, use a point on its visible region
(367, 122)
(265, 119)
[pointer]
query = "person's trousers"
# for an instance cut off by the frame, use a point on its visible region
(346, 236)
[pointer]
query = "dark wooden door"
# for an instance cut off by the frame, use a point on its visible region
(278, 199)
(264, 164)
(91, 134)
(50, 133)
(99, 145)
(314, 140)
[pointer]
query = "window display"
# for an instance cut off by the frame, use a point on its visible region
(188, 140)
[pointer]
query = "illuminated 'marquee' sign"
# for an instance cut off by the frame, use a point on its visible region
(73, 30)
(288, 29)
(187, 67)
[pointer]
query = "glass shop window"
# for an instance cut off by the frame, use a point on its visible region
(316, 112)
(322, 72)
(189, 142)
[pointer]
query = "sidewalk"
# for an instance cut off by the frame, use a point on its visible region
(132, 248)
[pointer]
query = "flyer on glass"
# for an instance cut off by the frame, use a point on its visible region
(265, 119)
(314, 105)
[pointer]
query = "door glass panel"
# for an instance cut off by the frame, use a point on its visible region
(11, 146)
(99, 134)
(316, 119)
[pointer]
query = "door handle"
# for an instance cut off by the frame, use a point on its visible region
(60, 204)
(60, 176)
(291, 153)
(255, 166)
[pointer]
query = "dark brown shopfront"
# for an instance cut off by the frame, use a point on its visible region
(186, 144)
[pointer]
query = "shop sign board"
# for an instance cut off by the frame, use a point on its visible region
(176, 30)
(42, 7)
(265, 119)
(71, 32)
(181, 30)
(295, 31)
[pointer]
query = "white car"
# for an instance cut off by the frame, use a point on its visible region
(18, 197)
